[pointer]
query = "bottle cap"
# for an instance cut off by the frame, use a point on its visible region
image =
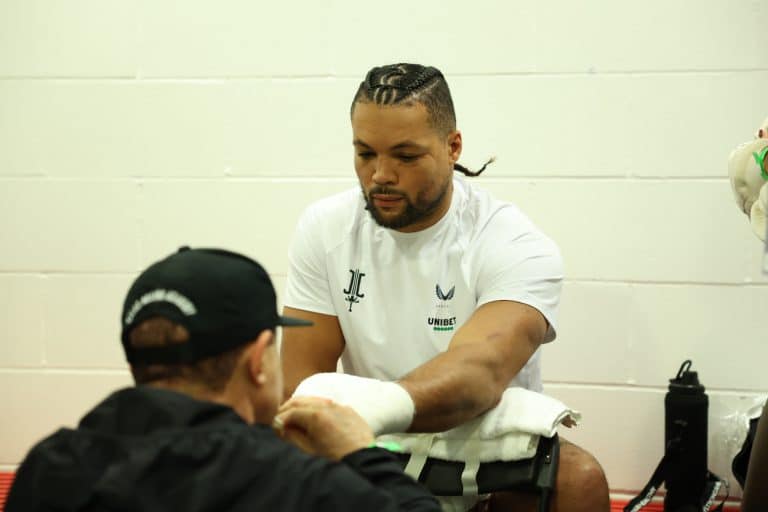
(685, 378)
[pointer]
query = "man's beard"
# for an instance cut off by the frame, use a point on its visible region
(412, 213)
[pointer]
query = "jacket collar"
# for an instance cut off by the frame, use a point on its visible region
(144, 409)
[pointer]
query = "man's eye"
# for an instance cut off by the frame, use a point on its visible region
(407, 158)
(365, 155)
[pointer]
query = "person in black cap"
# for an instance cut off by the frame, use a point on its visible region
(198, 431)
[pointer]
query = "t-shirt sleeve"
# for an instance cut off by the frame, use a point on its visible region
(307, 282)
(519, 263)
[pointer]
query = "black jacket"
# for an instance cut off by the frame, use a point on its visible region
(146, 449)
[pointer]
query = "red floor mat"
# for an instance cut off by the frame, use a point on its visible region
(5, 485)
(618, 506)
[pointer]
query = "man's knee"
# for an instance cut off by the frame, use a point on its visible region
(582, 466)
(581, 479)
(581, 487)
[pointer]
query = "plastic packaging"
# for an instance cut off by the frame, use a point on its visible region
(727, 435)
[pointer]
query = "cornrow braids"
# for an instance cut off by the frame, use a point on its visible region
(424, 78)
(405, 83)
(413, 83)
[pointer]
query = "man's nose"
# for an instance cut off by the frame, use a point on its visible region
(384, 173)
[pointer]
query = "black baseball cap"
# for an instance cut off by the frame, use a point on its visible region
(222, 298)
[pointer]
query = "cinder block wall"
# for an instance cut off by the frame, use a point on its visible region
(130, 128)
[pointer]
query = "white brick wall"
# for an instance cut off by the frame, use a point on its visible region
(130, 128)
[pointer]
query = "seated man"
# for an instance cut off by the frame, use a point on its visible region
(198, 329)
(427, 280)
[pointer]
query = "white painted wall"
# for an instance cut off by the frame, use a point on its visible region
(130, 128)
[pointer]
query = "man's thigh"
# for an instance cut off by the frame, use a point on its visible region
(580, 487)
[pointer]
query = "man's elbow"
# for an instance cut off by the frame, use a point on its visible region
(490, 392)
(499, 376)
(497, 391)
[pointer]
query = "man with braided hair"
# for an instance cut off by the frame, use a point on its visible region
(435, 295)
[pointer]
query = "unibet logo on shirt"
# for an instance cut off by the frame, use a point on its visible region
(444, 319)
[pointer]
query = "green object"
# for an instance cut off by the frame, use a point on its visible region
(760, 159)
(387, 445)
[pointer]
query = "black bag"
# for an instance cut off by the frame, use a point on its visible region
(740, 462)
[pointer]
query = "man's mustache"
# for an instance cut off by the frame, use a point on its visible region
(385, 191)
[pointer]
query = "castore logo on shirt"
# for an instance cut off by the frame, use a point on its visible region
(444, 296)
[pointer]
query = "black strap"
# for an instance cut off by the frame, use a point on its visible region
(711, 489)
(649, 491)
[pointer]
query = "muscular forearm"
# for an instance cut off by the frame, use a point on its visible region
(458, 385)
(482, 358)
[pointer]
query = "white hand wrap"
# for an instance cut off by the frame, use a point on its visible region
(385, 406)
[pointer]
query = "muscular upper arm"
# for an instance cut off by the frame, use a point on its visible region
(309, 350)
(504, 335)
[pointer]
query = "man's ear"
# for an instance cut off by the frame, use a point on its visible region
(455, 145)
(254, 355)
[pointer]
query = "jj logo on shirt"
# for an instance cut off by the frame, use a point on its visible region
(352, 291)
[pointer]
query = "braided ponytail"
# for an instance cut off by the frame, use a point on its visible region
(471, 174)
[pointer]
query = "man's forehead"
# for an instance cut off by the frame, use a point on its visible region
(394, 125)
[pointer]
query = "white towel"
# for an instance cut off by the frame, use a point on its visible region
(509, 432)
(522, 410)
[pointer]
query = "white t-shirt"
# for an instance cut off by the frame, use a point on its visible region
(400, 297)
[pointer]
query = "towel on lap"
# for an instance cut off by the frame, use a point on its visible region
(509, 431)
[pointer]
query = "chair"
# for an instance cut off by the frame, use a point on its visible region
(535, 475)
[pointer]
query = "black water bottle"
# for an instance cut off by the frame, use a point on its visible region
(685, 436)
